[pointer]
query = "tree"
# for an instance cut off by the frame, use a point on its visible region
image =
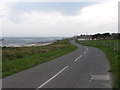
(106, 35)
(97, 36)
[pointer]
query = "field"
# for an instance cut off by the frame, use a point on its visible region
(112, 50)
(17, 59)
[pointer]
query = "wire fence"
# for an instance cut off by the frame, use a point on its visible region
(113, 44)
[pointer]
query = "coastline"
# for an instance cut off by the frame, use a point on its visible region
(30, 44)
(37, 44)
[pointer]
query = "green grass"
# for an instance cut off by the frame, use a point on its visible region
(110, 48)
(18, 59)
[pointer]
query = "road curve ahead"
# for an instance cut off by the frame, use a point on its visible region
(85, 67)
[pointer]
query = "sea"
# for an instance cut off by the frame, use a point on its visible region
(19, 41)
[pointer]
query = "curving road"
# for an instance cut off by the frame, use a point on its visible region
(85, 67)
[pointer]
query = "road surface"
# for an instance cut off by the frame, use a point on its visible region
(85, 67)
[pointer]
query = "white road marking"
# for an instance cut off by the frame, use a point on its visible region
(85, 52)
(78, 58)
(87, 49)
(52, 77)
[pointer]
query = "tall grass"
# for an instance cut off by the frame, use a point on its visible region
(112, 51)
(18, 59)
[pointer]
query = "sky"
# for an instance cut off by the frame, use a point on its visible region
(57, 19)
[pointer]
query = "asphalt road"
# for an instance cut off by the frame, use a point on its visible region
(85, 67)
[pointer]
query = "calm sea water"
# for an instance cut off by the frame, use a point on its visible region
(8, 41)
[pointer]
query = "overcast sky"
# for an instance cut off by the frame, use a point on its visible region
(58, 19)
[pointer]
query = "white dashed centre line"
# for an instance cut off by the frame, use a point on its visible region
(85, 52)
(52, 77)
(86, 48)
(78, 58)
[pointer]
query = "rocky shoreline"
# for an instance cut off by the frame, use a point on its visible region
(30, 44)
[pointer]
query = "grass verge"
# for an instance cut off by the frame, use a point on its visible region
(18, 59)
(112, 55)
